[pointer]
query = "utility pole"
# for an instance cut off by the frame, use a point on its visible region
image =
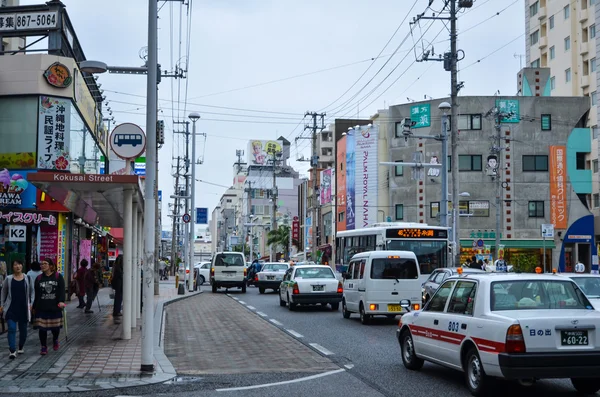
(175, 219)
(314, 162)
(186, 162)
(450, 60)
(274, 195)
(249, 192)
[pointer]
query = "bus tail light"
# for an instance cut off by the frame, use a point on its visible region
(295, 289)
(515, 343)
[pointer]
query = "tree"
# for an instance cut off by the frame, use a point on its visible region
(281, 237)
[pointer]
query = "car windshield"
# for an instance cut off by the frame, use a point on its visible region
(314, 272)
(532, 294)
(275, 267)
(229, 260)
(589, 285)
(394, 268)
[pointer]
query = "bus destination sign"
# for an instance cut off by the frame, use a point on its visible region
(416, 233)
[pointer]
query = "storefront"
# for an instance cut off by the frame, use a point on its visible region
(523, 255)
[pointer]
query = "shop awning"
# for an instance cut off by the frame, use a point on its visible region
(96, 198)
(537, 243)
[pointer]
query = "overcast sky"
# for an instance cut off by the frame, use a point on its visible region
(240, 43)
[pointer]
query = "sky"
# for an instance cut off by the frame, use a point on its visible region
(256, 66)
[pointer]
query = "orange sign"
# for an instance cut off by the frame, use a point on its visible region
(558, 183)
(58, 75)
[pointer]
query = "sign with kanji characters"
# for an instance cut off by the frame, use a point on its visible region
(58, 75)
(558, 186)
(262, 152)
(54, 133)
(28, 21)
(421, 115)
(35, 218)
(509, 106)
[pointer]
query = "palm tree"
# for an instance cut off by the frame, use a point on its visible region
(281, 237)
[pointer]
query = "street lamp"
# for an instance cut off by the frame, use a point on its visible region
(194, 116)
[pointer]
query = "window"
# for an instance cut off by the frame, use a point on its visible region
(592, 31)
(594, 98)
(533, 9)
(567, 43)
(467, 162)
(552, 83)
(469, 122)
(535, 163)
(438, 302)
(536, 63)
(394, 268)
(398, 170)
(595, 132)
(399, 212)
(534, 37)
(593, 65)
(546, 122)
(568, 75)
(229, 200)
(536, 209)
(580, 160)
(595, 166)
(542, 294)
(552, 52)
(567, 12)
(341, 217)
(596, 200)
(463, 298)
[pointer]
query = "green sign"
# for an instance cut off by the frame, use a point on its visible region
(509, 106)
(421, 115)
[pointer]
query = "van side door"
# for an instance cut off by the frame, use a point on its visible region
(351, 288)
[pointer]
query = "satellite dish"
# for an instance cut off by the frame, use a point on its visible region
(143, 54)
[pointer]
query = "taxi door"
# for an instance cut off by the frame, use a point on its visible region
(426, 326)
(456, 322)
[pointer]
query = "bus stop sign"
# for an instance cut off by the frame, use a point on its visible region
(128, 141)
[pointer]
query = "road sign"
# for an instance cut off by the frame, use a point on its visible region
(202, 216)
(548, 230)
(128, 141)
(186, 218)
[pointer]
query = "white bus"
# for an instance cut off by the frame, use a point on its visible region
(429, 243)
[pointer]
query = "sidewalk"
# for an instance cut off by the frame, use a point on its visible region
(94, 358)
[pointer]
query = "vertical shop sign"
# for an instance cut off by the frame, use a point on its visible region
(54, 133)
(48, 242)
(62, 243)
(85, 250)
(350, 181)
(558, 196)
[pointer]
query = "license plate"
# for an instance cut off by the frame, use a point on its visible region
(318, 287)
(574, 338)
(230, 274)
(270, 277)
(394, 308)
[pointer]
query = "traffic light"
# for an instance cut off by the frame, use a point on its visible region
(160, 132)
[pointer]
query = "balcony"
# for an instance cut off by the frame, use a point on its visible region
(543, 43)
(585, 81)
(584, 48)
(583, 16)
(542, 13)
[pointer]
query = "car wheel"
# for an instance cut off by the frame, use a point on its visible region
(243, 288)
(345, 311)
(201, 280)
(409, 357)
(364, 317)
(475, 375)
(586, 385)
(335, 306)
(261, 290)
(214, 288)
(291, 305)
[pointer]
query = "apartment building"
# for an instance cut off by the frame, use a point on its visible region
(562, 37)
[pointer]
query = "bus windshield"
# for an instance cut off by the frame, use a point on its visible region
(430, 254)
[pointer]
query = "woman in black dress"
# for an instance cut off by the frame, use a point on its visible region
(49, 304)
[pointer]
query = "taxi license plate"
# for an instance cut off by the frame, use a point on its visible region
(318, 287)
(270, 277)
(394, 308)
(574, 338)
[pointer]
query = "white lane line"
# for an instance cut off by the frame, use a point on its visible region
(275, 322)
(294, 333)
(237, 299)
(337, 371)
(261, 314)
(251, 307)
(242, 302)
(349, 366)
(321, 349)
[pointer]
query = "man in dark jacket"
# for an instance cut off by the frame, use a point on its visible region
(117, 285)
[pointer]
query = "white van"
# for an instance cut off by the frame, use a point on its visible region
(228, 269)
(377, 281)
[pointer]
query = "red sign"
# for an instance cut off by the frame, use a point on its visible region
(295, 229)
(47, 203)
(48, 242)
(27, 217)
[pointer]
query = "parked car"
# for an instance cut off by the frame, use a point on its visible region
(227, 270)
(589, 284)
(203, 272)
(270, 276)
(310, 285)
(438, 276)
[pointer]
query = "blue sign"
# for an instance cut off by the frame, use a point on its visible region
(202, 216)
(15, 190)
(160, 195)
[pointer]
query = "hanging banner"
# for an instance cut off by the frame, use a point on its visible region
(366, 175)
(54, 125)
(85, 250)
(62, 244)
(558, 179)
(325, 190)
(350, 182)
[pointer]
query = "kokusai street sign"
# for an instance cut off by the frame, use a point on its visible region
(128, 141)
(186, 218)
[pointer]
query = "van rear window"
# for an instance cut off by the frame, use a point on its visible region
(229, 260)
(394, 269)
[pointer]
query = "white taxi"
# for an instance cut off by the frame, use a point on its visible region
(589, 284)
(514, 326)
(310, 285)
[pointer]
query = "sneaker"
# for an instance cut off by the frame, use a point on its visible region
(21, 351)
(89, 311)
(44, 351)
(56, 345)
(12, 355)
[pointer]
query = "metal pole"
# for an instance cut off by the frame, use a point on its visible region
(274, 198)
(127, 265)
(137, 278)
(193, 210)
(454, 128)
(498, 151)
(147, 361)
(544, 248)
(315, 166)
(444, 209)
(134, 244)
(175, 213)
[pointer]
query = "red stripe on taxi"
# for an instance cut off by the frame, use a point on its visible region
(454, 338)
(489, 346)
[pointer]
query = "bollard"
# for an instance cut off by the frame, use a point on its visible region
(181, 289)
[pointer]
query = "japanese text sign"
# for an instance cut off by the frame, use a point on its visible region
(509, 106)
(558, 183)
(54, 133)
(421, 115)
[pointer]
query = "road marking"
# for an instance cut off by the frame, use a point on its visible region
(294, 333)
(251, 307)
(349, 366)
(237, 299)
(286, 382)
(275, 322)
(321, 349)
(242, 302)
(261, 314)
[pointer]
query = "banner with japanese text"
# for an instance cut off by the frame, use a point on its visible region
(54, 125)
(558, 183)
(62, 244)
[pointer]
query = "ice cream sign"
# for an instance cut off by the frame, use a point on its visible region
(15, 191)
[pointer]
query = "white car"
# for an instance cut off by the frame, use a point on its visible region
(203, 272)
(228, 270)
(589, 284)
(514, 326)
(310, 285)
(270, 276)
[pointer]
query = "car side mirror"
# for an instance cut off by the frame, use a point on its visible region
(405, 304)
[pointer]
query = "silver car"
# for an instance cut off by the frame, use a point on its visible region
(270, 276)
(438, 276)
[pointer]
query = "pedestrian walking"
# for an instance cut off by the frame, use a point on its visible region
(17, 297)
(49, 303)
(117, 285)
(92, 285)
(33, 272)
(80, 282)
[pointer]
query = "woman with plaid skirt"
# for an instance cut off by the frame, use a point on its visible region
(49, 303)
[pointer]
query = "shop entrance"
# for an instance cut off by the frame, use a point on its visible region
(583, 255)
